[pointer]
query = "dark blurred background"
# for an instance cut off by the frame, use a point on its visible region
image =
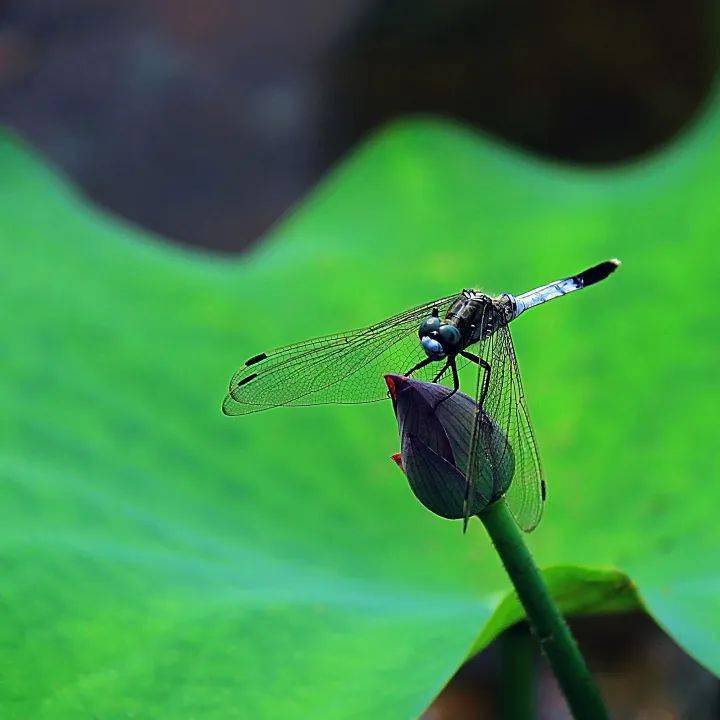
(207, 122)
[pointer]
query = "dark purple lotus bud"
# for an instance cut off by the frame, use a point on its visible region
(435, 443)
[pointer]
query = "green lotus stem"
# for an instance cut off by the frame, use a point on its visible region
(517, 673)
(546, 622)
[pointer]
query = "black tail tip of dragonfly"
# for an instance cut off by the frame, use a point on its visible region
(598, 272)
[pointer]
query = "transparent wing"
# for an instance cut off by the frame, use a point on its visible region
(504, 408)
(343, 368)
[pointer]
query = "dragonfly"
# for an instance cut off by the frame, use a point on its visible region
(430, 342)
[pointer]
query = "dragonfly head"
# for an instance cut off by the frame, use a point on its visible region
(438, 338)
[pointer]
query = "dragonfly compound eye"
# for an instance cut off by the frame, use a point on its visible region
(433, 349)
(449, 335)
(429, 326)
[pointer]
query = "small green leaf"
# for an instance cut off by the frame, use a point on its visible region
(160, 560)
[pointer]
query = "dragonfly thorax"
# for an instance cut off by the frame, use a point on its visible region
(472, 317)
(477, 315)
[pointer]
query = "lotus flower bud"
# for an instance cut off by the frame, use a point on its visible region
(435, 445)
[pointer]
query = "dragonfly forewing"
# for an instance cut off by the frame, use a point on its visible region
(346, 367)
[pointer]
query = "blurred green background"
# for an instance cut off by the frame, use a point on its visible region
(160, 560)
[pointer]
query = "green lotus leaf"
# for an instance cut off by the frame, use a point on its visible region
(160, 560)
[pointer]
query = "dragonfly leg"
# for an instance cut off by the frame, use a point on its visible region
(456, 380)
(442, 372)
(421, 364)
(485, 365)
